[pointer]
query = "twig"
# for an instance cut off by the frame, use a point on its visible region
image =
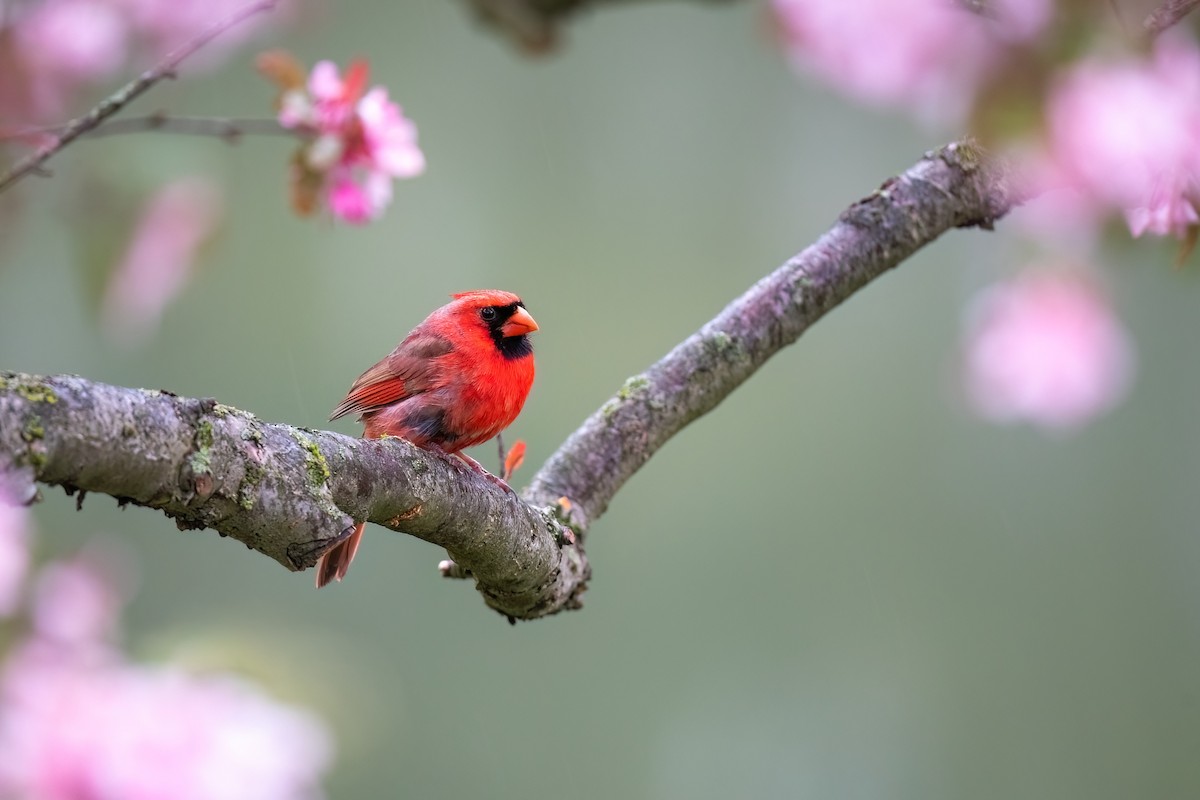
(228, 128)
(112, 104)
(1167, 15)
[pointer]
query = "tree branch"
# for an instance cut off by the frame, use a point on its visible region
(34, 162)
(951, 188)
(291, 493)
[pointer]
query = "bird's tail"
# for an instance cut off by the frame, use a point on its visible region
(336, 561)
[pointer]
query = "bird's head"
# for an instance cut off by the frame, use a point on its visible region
(501, 315)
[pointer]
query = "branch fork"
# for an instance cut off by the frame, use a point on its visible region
(291, 493)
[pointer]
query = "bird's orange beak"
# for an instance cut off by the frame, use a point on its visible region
(519, 324)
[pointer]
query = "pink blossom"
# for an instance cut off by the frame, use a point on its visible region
(358, 201)
(78, 603)
(161, 256)
(1127, 134)
(295, 109)
(79, 39)
(80, 722)
(14, 552)
(926, 54)
(360, 142)
(333, 97)
(1169, 213)
(166, 24)
(59, 46)
(63, 44)
(1045, 348)
(73, 730)
(390, 138)
(326, 86)
(327, 104)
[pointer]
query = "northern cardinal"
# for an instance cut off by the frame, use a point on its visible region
(457, 380)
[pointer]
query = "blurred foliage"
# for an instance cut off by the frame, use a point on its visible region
(835, 585)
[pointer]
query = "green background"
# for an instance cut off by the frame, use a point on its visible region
(838, 584)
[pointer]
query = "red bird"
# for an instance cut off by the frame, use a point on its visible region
(457, 380)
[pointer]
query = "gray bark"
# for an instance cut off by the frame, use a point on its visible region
(291, 493)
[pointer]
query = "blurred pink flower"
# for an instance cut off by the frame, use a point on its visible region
(80, 39)
(51, 48)
(160, 258)
(78, 603)
(79, 722)
(14, 552)
(926, 54)
(389, 137)
(360, 142)
(72, 730)
(354, 201)
(1045, 348)
(1170, 213)
(1127, 134)
(167, 24)
(333, 99)
(64, 44)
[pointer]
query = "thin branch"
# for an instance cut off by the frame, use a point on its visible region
(230, 129)
(1168, 15)
(34, 162)
(291, 493)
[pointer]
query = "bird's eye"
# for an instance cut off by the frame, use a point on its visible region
(488, 314)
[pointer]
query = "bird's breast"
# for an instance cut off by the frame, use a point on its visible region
(488, 401)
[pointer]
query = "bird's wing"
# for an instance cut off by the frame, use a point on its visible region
(410, 369)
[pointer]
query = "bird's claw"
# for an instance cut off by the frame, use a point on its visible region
(477, 467)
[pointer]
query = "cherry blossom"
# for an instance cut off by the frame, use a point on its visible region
(78, 602)
(389, 138)
(929, 55)
(1045, 348)
(1126, 133)
(52, 48)
(160, 258)
(80, 39)
(360, 141)
(77, 730)
(61, 44)
(79, 721)
(1170, 213)
(164, 25)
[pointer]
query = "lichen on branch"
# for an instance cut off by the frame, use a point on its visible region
(289, 493)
